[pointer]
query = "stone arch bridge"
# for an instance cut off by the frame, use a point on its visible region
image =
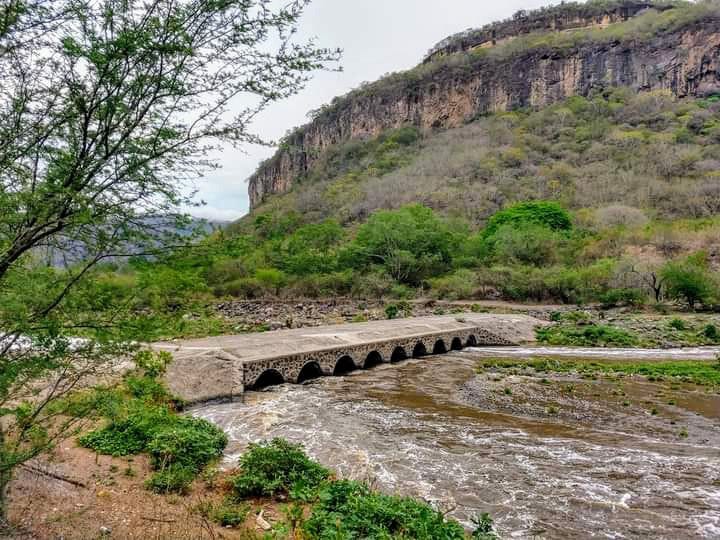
(222, 368)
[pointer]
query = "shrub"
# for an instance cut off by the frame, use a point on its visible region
(690, 281)
(526, 243)
(678, 324)
(274, 467)
(547, 213)
(144, 421)
(191, 442)
(711, 332)
(618, 215)
(226, 514)
(348, 509)
(462, 284)
(624, 297)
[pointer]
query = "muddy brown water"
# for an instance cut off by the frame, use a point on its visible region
(562, 458)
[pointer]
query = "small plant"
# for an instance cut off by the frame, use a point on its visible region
(152, 363)
(483, 527)
(654, 411)
(683, 434)
(552, 409)
(678, 324)
(392, 311)
(508, 391)
(295, 516)
(711, 332)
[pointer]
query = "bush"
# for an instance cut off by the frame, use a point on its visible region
(349, 509)
(526, 243)
(690, 281)
(624, 297)
(547, 213)
(678, 324)
(191, 442)
(711, 332)
(274, 467)
(144, 421)
(460, 285)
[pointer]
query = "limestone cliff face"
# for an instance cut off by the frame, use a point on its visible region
(685, 62)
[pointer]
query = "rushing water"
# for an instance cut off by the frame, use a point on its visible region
(410, 429)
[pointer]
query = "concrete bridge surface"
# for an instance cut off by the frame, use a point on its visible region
(223, 367)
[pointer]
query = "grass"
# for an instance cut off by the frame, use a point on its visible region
(695, 372)
(591, 335)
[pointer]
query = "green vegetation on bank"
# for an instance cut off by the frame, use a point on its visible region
(695, 372)
(338, 508)
(141, 417)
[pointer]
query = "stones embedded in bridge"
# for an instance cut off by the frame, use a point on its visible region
(222, 368)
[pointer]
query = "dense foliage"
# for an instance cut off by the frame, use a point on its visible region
(350, 509)
(278, 466)
(340, 509)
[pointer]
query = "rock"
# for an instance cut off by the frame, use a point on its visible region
(262, 522)
(105, 531)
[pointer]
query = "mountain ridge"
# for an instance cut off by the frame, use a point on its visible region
(674, 49)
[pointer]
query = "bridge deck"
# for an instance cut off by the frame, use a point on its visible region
(222, 367)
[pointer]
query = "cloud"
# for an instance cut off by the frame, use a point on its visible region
(212, 213)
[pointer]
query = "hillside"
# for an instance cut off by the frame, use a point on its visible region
(534, 61)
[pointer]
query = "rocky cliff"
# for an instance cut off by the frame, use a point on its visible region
(676, 53)
(564, 17)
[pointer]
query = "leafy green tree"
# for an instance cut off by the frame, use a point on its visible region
(108, 110)
(690, 280)
(547, 213)
(271, 278)
(411, 243)
(526, 243)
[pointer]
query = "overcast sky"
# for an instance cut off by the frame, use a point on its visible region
(377, 37)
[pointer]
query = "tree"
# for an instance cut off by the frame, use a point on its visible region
(109, 110)
(412, 243)
(690, 280)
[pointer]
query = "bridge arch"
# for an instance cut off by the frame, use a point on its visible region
(456, 344)
(439, 347)
(374, 358)
(269, 377)
(344, 365)
(471, 341)
(309, 371)
(419, 350)
(398, 354)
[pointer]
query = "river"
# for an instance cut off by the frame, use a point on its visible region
(554, 459)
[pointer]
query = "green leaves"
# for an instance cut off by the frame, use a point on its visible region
(275, 467)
